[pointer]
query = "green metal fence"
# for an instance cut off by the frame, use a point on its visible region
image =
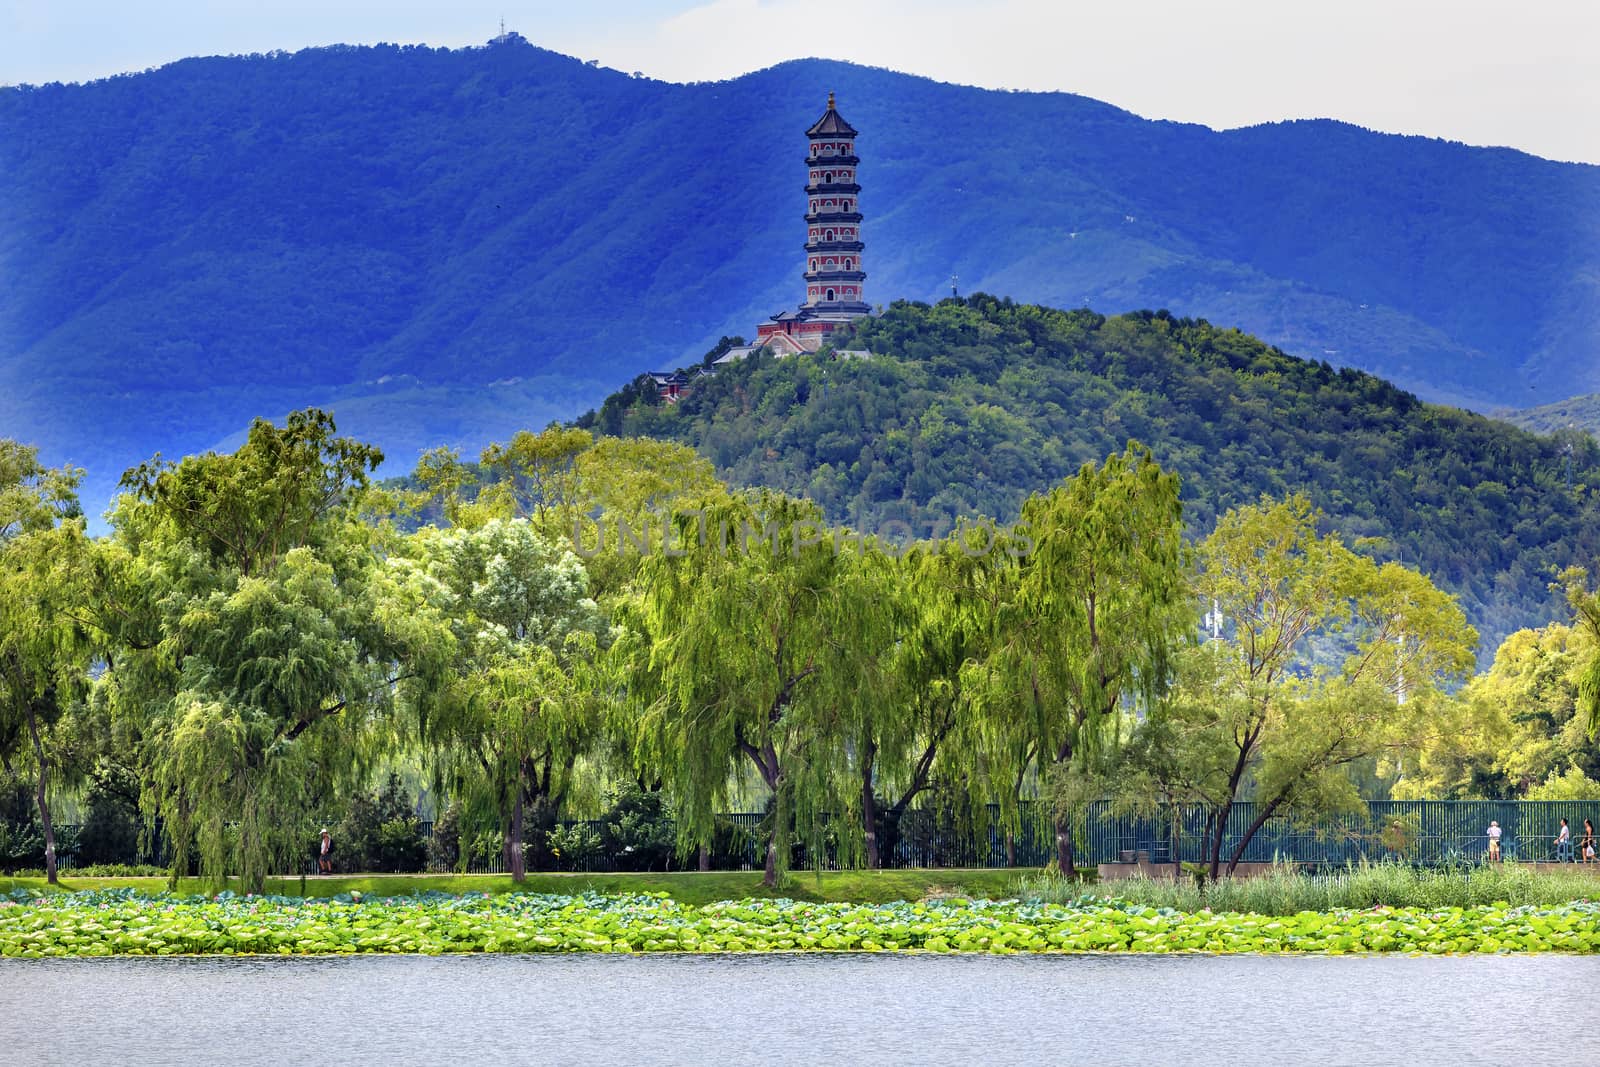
(1428, 832)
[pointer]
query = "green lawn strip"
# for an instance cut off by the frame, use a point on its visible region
(126, 923)
(689, 887)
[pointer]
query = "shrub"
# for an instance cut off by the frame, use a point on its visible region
(118, 870)
(399, 846)
(486, 848)
(1400, 833)
(21, 846)
(444, 847)
(21, 841)
(639, 832)
(112, 824)
(380, 832)
(574, 847)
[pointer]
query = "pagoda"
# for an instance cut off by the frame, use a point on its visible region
(834, 279)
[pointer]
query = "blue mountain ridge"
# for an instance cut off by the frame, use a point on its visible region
(446, 245)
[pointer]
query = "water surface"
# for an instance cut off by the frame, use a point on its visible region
(804, 1009)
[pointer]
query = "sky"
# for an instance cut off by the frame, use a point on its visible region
(1519, 74)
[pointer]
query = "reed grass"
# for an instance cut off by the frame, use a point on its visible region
(1287, 890)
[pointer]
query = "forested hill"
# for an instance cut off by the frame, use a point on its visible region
(1573, 413)
(445, 246)
(968, 406)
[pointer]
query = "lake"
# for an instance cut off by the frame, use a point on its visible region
(803, 1009)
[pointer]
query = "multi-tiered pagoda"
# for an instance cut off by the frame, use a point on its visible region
(835, 291)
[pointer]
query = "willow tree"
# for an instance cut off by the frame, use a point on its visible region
(1329, 657)
(45, 647)
(259, 642)
(638, 483)
(517, 705)
(1100, 599)
(743, 654)
(536, 473)
(1585, 606)
(925, 621)
(602, 497)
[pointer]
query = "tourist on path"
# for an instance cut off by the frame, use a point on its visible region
(1564, 844)
(325, 854)
(1494, 841)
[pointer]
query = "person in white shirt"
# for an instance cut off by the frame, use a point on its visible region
(1494, 840)
(1564, 844)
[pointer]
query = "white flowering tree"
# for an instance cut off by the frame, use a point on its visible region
(518, 706)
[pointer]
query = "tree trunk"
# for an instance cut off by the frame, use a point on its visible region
(1219, 826)
(1176, 842)
(1011, 849)
(44, 804)
(780, 826)
(1222, 813)
(705, 857)
(765, 759)
(1064, 853)
(1250, 831)
(869, 806)
(514, 856)
(770, 877)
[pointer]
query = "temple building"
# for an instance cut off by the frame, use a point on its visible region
(835, 281)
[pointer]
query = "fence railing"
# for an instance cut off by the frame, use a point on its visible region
(925, 837)
(1427, 832)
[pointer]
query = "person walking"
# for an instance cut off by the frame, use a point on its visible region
(1494, 841)
(325, 853)
(1564, 843)
(1586, 843)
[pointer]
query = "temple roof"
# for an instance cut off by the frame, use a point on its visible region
(831, 124)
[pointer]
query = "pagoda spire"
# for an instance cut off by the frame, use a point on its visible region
(834, 276)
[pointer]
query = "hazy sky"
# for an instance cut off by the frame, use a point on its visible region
(1511, 72)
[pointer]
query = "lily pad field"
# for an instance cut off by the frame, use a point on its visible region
(120, 922)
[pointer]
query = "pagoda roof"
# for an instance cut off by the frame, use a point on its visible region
(831, 124)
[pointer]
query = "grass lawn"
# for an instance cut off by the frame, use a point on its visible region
(690, 887)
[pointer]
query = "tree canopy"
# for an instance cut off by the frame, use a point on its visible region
(254, 638)
(265, 636)
(969, 406)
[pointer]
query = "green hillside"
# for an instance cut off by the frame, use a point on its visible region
(1575, 413)
(968, 406)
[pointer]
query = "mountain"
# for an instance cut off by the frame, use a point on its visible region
(966, 407)
(1574, 413)
(445, 245)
